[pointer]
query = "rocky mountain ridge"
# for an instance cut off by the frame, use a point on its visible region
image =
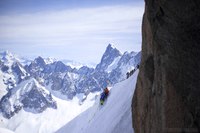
(40, 80)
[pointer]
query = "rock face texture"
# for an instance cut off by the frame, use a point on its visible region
(167, 96)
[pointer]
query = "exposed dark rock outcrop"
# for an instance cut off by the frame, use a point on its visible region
(168, 86)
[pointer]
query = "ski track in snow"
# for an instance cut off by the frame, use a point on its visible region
(113, 117)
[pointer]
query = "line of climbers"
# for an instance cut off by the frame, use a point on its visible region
(105, 92)
(128, 74)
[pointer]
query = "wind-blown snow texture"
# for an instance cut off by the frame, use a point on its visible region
(113, 117)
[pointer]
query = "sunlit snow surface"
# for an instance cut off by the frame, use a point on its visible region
(113, 117)
(50, 120)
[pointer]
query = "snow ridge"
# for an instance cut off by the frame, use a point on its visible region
(113, 117)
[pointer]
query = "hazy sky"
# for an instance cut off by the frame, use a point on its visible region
(78, 30)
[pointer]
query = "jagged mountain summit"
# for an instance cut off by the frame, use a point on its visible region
(109, 56)
(7, 56)
(54, 78)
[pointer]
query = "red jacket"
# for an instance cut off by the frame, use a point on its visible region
(106, 91)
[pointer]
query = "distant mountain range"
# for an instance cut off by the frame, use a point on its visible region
(30, 84)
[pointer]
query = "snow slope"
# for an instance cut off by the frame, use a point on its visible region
(50, 120)
(113, 117)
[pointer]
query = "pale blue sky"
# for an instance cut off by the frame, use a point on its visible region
(76, 30)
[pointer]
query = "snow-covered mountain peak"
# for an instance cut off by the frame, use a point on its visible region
(13, 70)
(40, 61)
(112, 49)
(61, 67)
(134, 53)
(8, 58)
(110, 45)
(50, 60)
(7, 53)
(109, 56)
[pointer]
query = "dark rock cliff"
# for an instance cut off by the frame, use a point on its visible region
(167, 96)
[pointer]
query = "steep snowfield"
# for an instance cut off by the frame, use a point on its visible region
(113, 117)
(50, 120)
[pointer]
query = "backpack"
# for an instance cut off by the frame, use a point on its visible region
(106, 91)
